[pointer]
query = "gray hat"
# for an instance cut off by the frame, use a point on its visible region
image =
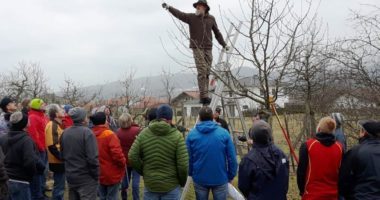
(372, 127)
(77, 114)
(18, 121)
(261, 132)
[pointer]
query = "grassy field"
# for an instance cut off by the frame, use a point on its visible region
(294, 128)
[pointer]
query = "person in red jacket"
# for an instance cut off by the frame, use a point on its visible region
(111, 158)
(320, 159)
(36, 130)
(127, 134)
(67, 122)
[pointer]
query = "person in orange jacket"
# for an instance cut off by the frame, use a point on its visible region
(111, 158)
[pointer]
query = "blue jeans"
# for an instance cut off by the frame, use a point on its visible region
(37, 186)
(19, 191)
(109, 192)
(59, 186)
(218, 192)
(171, 195)
(131, 174)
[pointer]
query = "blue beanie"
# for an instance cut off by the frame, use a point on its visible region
(164, 111)
(67, 108)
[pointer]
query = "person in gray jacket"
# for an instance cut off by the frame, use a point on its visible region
(80, 154)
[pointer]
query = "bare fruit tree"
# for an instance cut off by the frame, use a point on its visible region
(27, 80)
(167, 81)
(129, 91)
(72, 91)
(269, 34)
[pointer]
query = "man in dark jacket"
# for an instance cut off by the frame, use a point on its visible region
(212, 157)
(320, 159)
(201, 25)
(7, 106)
(21, 157)
(220, 120)
(264, 171)
(80, 154)
(359, 176)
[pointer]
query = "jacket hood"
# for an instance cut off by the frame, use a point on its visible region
(15, 136)
(326, 139)
(159, 127)
(206, 126)
(98, 130)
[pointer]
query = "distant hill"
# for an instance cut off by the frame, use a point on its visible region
(154, 85)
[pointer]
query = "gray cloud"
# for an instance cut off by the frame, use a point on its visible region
(95, 41)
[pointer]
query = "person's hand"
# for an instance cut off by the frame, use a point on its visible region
(165, 6)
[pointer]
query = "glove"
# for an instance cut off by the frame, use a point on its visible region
(165, 6)
(226, 48)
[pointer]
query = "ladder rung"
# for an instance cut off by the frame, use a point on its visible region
(235, 131)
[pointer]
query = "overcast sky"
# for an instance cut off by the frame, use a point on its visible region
(95, 41)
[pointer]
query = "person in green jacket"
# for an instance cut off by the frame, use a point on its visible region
(159, 154)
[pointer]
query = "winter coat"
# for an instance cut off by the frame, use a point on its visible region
(222, 123)
(200, 29)
(127, 136)
(79, 152)
(212, 157)
(263, 170)
(4, 124)
(52, 138)
(359, 176)
(111, 157)
(317, 174)
(159, 154)
(21, 156)
(67, 122)
(36, 128)
(3, 177)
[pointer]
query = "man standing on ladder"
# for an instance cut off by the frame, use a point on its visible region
(201, 25)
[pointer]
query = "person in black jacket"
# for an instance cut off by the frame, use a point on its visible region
(21, 159)
(220, 120)
(3, 177)
(360, 171)
(264, 171)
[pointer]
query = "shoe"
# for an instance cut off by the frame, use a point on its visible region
(205, 101)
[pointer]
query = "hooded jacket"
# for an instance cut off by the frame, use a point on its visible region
(317, 174)
(212, 157)
(79, 152)
(21, 159)
(201, 28)
(111, 157)
(127, 136)
(263, 170)
(36, 128)
(359, 176)
(159, 154)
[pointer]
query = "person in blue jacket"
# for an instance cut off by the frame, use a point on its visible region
(212, 157)
(264, 171)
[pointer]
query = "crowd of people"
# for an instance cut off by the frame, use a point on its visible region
(91, 155)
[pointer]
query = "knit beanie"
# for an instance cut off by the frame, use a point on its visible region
(36, 104)
(98, 118)
(326, 125)
(372, 127)
(18, 121)
(164, 111)
(77, 114)
(4, 103)
(67, 108)
(152, 114)
(261, 132)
